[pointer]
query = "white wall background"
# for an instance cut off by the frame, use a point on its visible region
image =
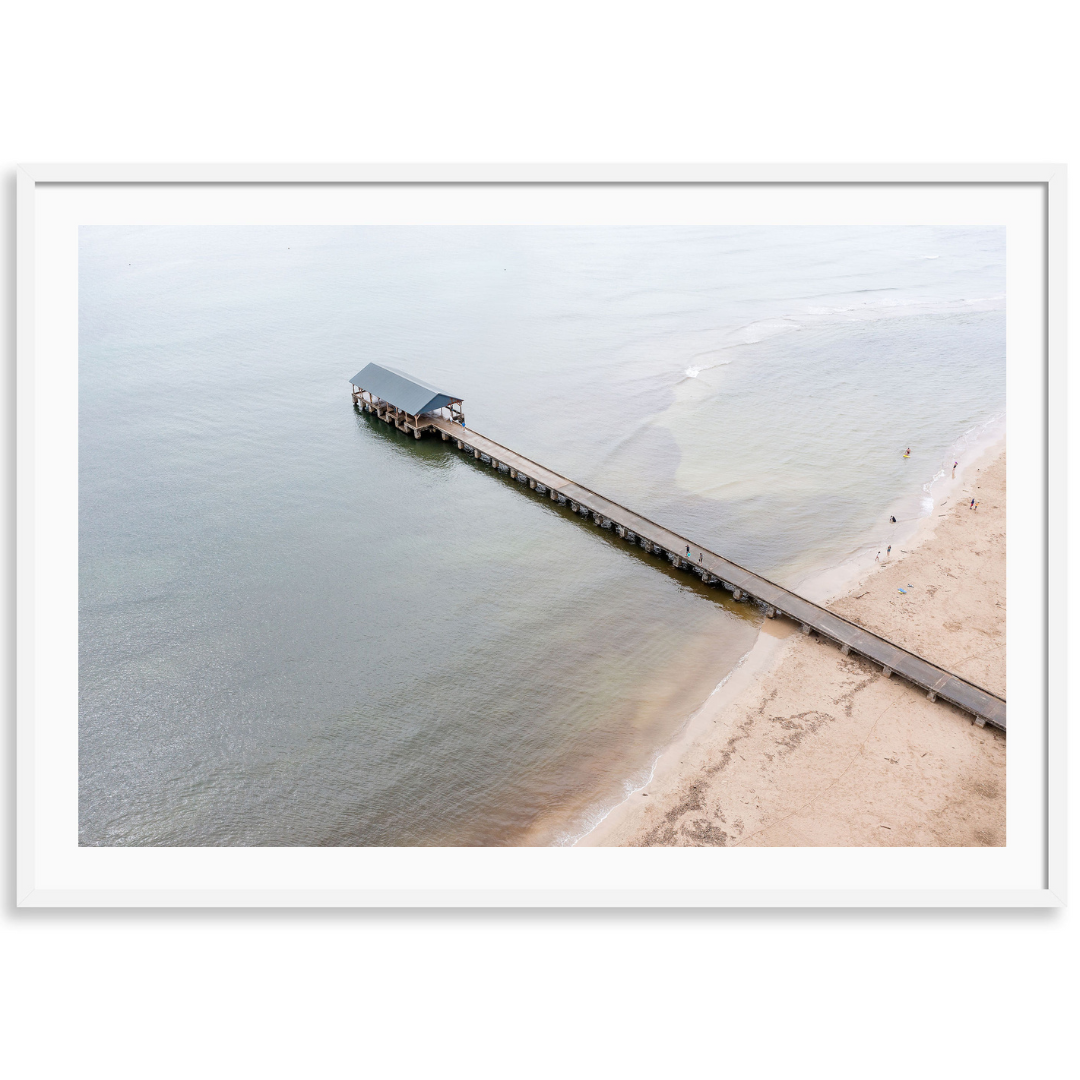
(762, 994)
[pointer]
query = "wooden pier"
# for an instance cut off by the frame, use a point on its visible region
(983, 706)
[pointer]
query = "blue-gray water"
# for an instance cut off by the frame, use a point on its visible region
(298, 626)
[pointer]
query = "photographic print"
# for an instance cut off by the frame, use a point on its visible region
(460, 535)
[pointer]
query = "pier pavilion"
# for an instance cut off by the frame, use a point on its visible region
(403, 400)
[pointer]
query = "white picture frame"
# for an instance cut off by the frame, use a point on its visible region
(51, 868)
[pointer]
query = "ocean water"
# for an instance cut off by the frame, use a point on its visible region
(298, 626)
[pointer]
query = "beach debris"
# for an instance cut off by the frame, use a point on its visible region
(904, 591)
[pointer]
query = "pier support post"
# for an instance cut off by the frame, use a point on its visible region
(886, 672)
(532, 484)
(620, 532)
(805, 628)
(460, 445)
(978, 721)
(494, 463)
(845, 649)
(416, 433)
(770, 612)
(513, 474)
(554, 494)
(476, 454)
(445, 437)
(931, 695)
(736, 594)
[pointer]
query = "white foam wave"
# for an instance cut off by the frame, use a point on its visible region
(693, 372)
(754, 332)
(641, 780)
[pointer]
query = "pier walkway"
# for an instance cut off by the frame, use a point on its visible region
(983, 706)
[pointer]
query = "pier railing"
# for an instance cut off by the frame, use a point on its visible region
(983, 706)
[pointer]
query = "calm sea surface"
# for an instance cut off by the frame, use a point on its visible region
(298, 626)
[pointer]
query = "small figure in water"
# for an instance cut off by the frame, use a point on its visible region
(907, 452)
(954, 464)
(892, 519)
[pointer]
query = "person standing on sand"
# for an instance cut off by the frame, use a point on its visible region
(888, 551)
(877, 557)
(971, 505)
(954, 464)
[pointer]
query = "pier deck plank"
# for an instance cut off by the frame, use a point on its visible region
(945, 684)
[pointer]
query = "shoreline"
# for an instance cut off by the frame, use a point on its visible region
(699, 746)
(831, 583)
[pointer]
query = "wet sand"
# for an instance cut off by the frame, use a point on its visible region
(802, 746)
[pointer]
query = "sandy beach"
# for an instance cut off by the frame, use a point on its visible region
(802, 746)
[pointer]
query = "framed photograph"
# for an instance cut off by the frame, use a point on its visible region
(541, 535)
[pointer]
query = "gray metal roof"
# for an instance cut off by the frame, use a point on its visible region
(401, 389)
